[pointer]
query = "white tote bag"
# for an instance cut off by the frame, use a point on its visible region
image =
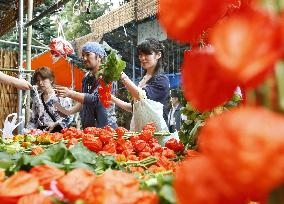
(147, 111)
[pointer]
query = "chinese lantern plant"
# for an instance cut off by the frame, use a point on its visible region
(195, 120)
(241, 150)
(109, 71)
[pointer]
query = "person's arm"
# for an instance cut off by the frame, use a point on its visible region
(18, 83)
(69, 111)
(130, 86)
(62, 91)
(65, 105)
(83, 98)
(122, 104)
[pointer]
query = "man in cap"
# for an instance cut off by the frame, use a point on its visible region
(92, 112)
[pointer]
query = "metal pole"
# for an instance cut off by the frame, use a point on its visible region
(29, 59)
(14, 43)
(20, 61)
(16, 70)
(133, 61)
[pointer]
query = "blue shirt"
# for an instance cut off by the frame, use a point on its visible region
(93, 114)
(157, 89)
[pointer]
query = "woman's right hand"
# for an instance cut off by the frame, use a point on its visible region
(113, 99)
(123, 77)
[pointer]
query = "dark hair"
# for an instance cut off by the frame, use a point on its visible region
(174, 94)
(149, 46)
(44, 73)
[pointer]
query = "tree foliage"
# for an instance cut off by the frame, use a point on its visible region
(77, 26)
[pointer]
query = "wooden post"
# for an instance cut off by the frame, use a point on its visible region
(28, 49)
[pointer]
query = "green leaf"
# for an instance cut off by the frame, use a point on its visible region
(23, 163)
(79, 164)
(160, 179)
(279, 74)
(109, 161)
(6, 156)
(13, 148)
(83, 154)
(5, 164)
(151, 182)
(168, 179)
(276, 196)
(8, 161)
(105, 162)
(50, 163)
(112, 68)
(30, 138)
(38, 159)
(168, 194)
(56, 153)
(80, 202)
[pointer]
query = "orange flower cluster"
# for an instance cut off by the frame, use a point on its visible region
(48, 138)
(138, 147)
(174, 145)
(104, 93)
(242, 159)
(103, 141)
(185, 20)
(37, 150)
(79, 184)
(19, 185)
(244, 41)
(117, 187)
(46, 174)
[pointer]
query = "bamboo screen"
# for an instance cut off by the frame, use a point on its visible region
(8, 94)
(134, 10)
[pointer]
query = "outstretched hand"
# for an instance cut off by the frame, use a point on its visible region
(21, 84)
(18, 83)
(62, 91)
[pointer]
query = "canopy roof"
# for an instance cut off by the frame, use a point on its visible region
(9, 13)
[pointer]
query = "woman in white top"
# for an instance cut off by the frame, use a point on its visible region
(154, 83)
